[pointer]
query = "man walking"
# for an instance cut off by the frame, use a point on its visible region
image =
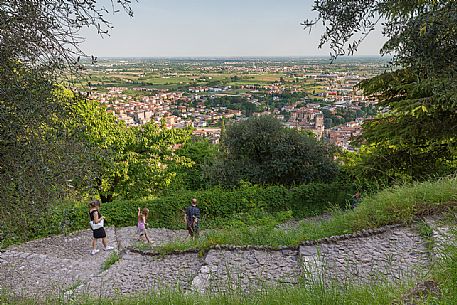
(192, 219)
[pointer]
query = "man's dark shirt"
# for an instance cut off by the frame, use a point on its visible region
(191, 213)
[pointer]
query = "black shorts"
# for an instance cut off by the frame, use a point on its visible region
(99, 233)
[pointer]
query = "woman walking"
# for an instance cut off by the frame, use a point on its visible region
(97, 225)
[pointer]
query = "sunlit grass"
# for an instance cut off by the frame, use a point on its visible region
(111, 260)
(317, 293)
(397, 205)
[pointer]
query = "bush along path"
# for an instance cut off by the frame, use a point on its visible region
(62, 265)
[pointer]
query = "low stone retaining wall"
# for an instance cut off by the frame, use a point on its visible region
(246, 270)
(138, 273)
(390, 255)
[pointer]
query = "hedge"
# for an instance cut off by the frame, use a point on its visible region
(216, 205)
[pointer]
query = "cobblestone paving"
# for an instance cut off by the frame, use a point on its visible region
(246, 270)
(128, 236)
(29, 274)
(391, 255)
(136, 273)
(63, 263)
(51, 265)
(74, 246)
(442, 235)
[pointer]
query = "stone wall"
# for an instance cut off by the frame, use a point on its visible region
(138, 273)
(246, 270)
(390, 255)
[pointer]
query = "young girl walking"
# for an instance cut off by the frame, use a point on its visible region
(99, 233)
(141, 229)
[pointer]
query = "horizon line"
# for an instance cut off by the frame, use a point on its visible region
(239, 56)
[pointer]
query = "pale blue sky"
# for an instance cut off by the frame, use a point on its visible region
(179, 28)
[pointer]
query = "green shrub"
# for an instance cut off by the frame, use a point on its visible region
(18, 228)
(250, 204)
(218, 205)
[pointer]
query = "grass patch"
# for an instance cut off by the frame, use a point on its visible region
(426, 233)
(397, 205)
(111, 260)
(445, 274)
(315, 294)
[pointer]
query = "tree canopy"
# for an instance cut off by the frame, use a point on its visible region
(42, 158)
(261, 150)
(415, 133)
(202, 153)
(46, 32)
(133, 161)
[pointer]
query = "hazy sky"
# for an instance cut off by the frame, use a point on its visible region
(169, 28)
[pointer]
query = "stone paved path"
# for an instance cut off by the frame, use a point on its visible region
(51, 265)
(136, 273)
(63, 264)
(127, 236)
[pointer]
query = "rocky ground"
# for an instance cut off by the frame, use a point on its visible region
(63, 264)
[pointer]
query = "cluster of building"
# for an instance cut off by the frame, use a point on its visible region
(183, 109)
(311, 118)
(172, 108)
